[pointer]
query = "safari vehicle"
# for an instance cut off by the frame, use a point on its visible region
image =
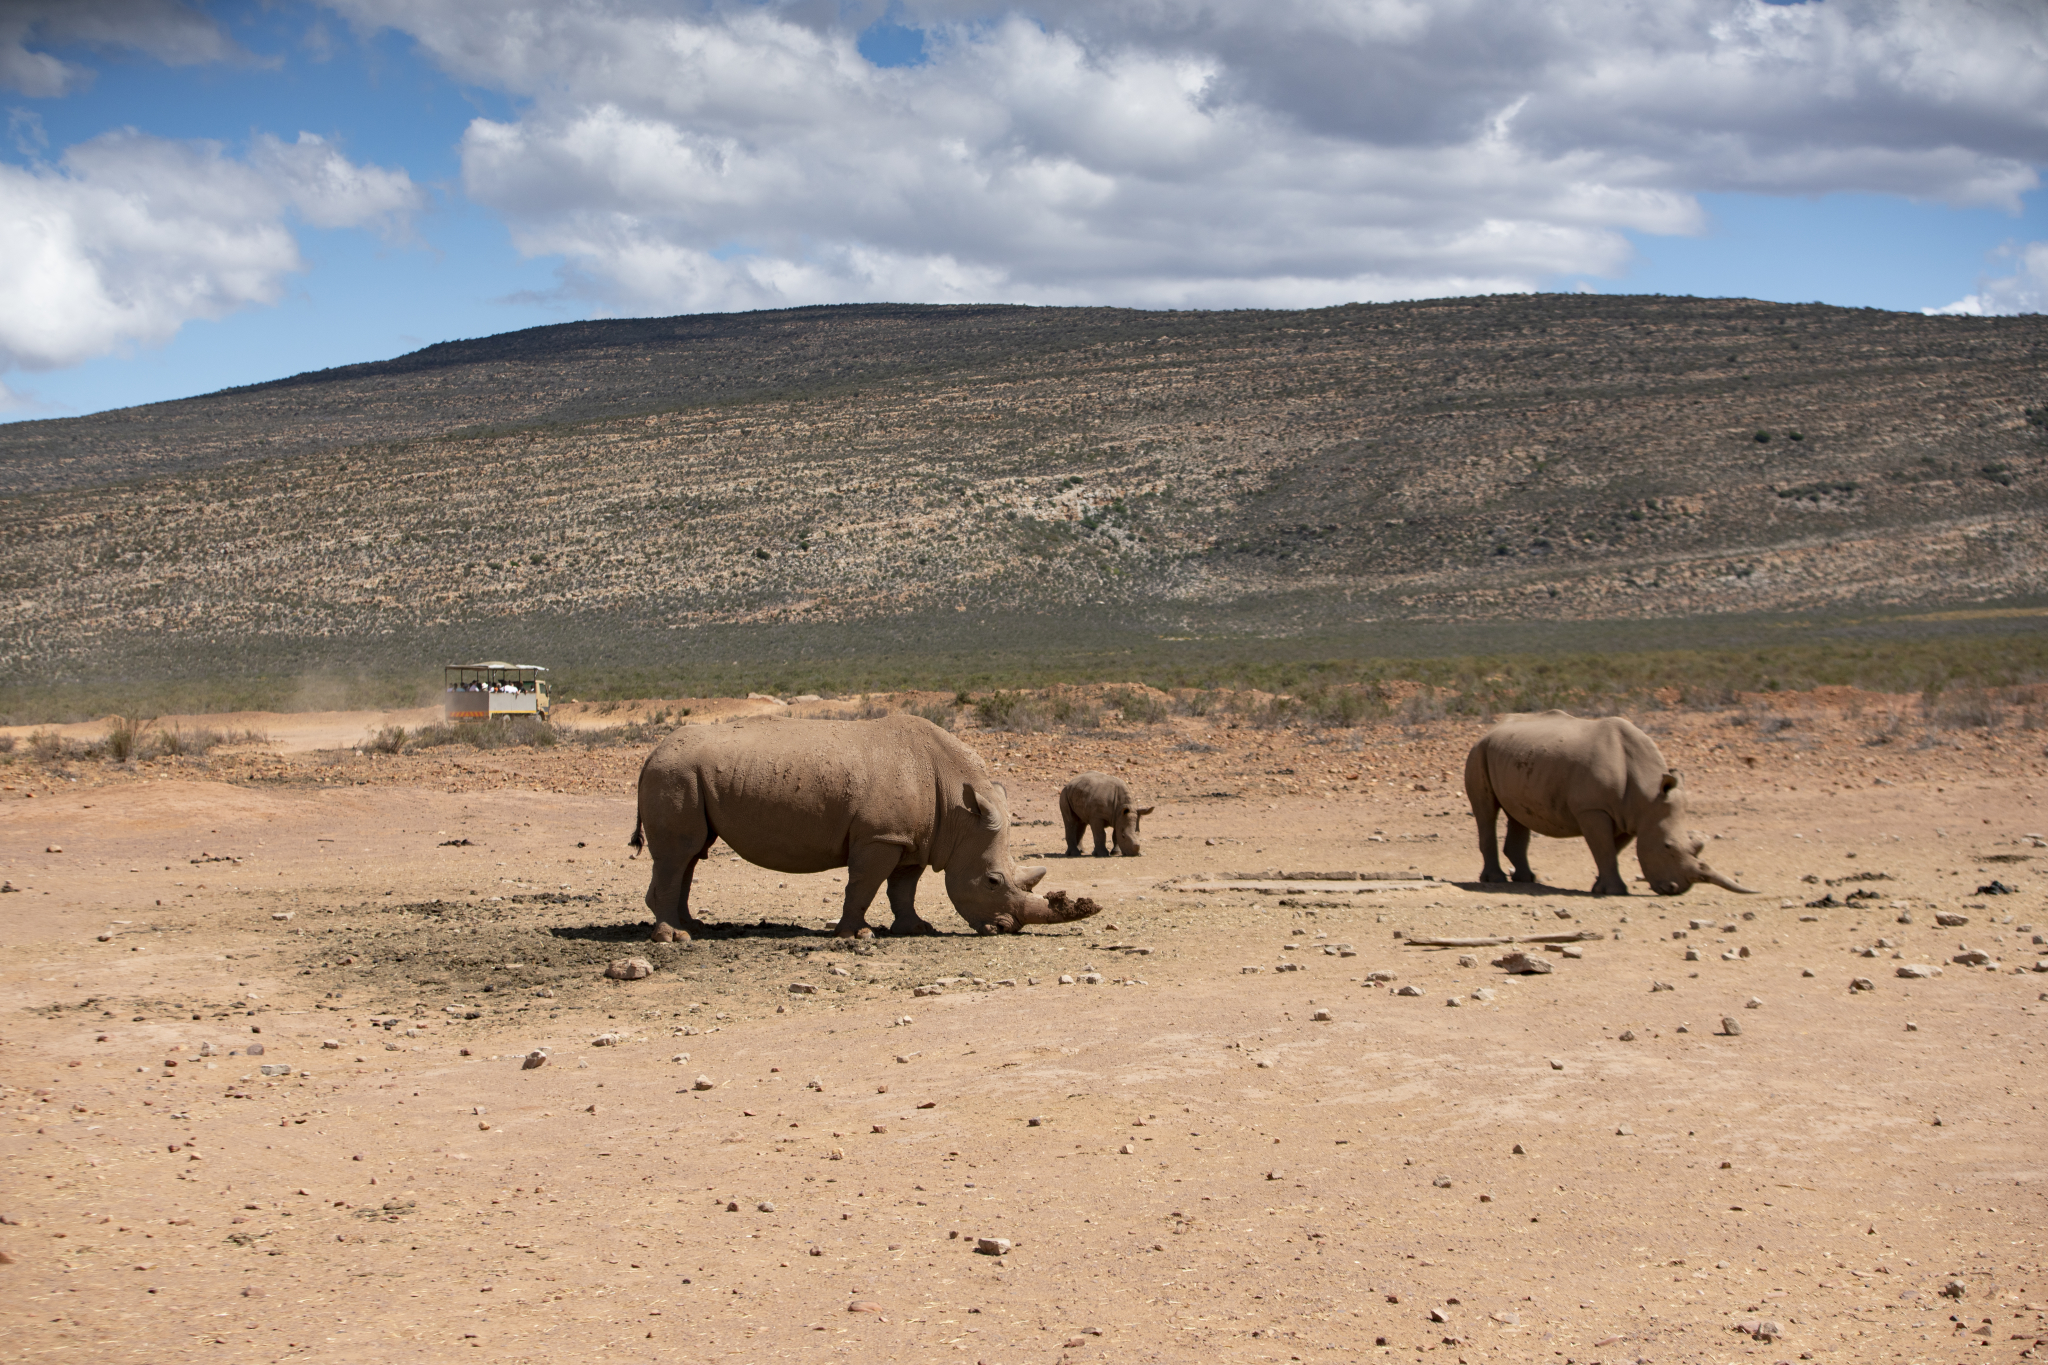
(481, 691)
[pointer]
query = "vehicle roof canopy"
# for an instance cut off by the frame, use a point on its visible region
(499, 663)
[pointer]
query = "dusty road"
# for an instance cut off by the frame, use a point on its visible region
(1188, 1164)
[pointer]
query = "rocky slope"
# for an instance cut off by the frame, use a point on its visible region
(928, 470)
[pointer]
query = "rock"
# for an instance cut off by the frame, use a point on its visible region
(330, 1044)
(1518, 1150)
(680, 1057)
(1521, 964)
(1806, 971)
(1454, 1002)
(1692, 955)
(703, 1083)
(1972, 957)
(1127, 1149)
(254, 1049)
(1730, 1028)
(1321, 1017)
(608, 1040)
(863, 1306)
(1035, 1121)
(1954, 1289)
(1442, 1182)
(802, 988)
(1066, 979)
(1912, 1027)
(1754, 1003)
(1381, 978)
(1556, 1065)
(1949, 919)
(1913, 971)
(765, 1206)
(1091, 978)
(629, 969)
(1656, 986)
(1467, 960)
(934, 990)
(59, 848)
(1484, 995)
(1409, 991)
(1827, 902)
(1997, 888)
(838, 970)
(1571, 950)
(992, 1246)
(1624, 1131)
(1437, 1314)
(275, 1069)
(1862, 983)
(1905, 917)
(282, 914)
(1628, 1035)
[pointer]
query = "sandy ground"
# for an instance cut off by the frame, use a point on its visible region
(1188, 1165)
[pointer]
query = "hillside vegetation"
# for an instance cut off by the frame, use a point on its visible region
(713, 499)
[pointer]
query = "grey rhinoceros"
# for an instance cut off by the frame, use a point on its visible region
(1599, 780)
(1097, 802)
(884, 799)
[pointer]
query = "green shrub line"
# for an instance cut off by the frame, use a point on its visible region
(1008, 691)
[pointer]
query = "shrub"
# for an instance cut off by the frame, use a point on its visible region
(126, 740)
(1073, 710)
(1966, 708)
(938, 713)
(1010, 711)
(1420, 708)
(189, 743)
(1138, 708)
(389, 740)
(1346, 706)
(6, 744)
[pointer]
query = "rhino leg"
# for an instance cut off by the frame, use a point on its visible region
(1486, 813)
(1601, 841)
(1101, 833)
(903, 903)
(1074, 827)
(866, 869)
(1516, 845)
(668, 895)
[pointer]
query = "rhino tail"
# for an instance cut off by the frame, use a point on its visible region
(639, 839)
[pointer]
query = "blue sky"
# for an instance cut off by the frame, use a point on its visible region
(218, 194)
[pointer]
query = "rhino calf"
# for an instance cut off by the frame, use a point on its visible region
(883, 799)
(1599, 780)
(1099, 802)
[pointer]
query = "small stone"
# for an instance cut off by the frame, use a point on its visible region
(282, 914)
(1467, 960)
(1624, 1131)
(1442, 1182)
(802, 988)
(992, 1246)
(1484, 995)
(1556, 1065)
(1437, 1314)
(1518, 1150)
(1409, 991)
(1521, 964)
(629, 969)
(1949, 919)
(274, 1069)
(863, 1306)
(1066, 979)
(254, 1049)
(1454, 1002)
(703, 1083)
(1730, 1027)
(1127, 1149)
(765, 1206)
(1628, 1035)
(1973, 957)
(1862, 983)
(1915, 971)
(1912, 1027)
(1091, 978)
(531, 1061)
(1806, 971)
(1321, 1017)
(1380, 978)
(1035, 1121)
(1754, 1003)
(1276, 1175)
(1692, 955)
(1656, 986)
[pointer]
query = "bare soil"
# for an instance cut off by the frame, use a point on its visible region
(1186, 1162)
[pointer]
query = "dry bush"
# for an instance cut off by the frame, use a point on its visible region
(389, 740)
(1138, 708)
(1012, 711)
(938, 713)
(1073, 709)
(126, 740)
(1965, 708)
(6, 744)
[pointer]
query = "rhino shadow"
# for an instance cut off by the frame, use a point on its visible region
(1522, 889)
(635, 931)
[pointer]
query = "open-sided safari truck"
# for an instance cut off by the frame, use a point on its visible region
(480, 691)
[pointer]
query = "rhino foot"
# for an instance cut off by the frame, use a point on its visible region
(1493, 875)
(1616, 887)
(668, 933)
(1523, 877)
(913, 928)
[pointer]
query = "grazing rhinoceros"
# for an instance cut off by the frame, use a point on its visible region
(1095, 802)
(884, 799)
(1599, 780)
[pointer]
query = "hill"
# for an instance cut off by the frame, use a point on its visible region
(889, 480)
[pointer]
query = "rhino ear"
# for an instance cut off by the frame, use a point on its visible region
(1670, 781)
(988, 814)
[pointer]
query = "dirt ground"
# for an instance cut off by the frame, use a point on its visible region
(1187, 1163)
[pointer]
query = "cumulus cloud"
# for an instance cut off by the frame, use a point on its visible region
(1202, 152)
(2023, 291)
(164, 29)
(129, 237)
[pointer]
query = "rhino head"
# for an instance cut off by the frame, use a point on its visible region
(1670, 856)
(1125, 830)
(987, 887)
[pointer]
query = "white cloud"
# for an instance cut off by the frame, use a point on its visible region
(2023, 291)
(129, 237)
(1212, 152)
(164, 29)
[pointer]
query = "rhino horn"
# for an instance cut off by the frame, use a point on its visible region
(1058, 908)
(1707, 874)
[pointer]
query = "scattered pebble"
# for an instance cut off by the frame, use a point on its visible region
(1519, 963)
(1862, 983)
(1949, 919)
(1409, 990)
(1730, 1027)
(1913, 971)
(1321, 1017)
(703, 1083)
(802, 988)
(1628, 1035)
(629, 969)
(1656, 986)
(992, 1246)
(1754, 1003)
(1467, 960)
(765, 1206)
